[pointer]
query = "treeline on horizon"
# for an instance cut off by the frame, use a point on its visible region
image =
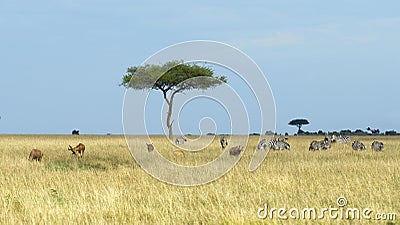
(348, 132)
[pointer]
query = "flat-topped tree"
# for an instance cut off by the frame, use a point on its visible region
(171, 78)
(299, 123)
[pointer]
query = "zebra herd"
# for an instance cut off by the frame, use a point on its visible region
(356, 145)
(281, 143)
(325, 144)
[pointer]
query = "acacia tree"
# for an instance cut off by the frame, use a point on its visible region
(299, 123)
(171, 78)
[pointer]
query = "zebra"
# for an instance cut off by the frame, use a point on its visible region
(275, 144)
(340, 139)
(180, 140)
(377, 146)
(357, 145)
(262, 144)
(282, 139)
(278, 144)
(318, 145)
(224, 142)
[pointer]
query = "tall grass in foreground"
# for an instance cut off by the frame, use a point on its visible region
(107, 185)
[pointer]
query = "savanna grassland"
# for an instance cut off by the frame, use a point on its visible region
(107, 186)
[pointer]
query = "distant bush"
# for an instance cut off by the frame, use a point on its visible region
(391, 132)
(269, 132)
(345, 132)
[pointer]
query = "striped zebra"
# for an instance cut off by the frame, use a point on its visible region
(357, 145)
(279, 144)
(275, 144)
(224, 142)
(377, 146)
(318, 145)
(262, 145)
(340, 139)
(180, 140)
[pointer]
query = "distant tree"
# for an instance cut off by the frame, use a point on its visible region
(176, 78)
(373, 131)
(269, 132)
(359, 132)
(299, 123)
(391, 132)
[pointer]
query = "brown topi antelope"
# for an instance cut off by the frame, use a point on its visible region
(178, 153)
(150, 147)
(36, 154)
(235, 150)
(80, 148)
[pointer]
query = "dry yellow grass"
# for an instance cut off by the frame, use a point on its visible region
(107, 185)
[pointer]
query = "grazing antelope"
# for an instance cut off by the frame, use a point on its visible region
(235, 150)
(178, 153)
(357, 145)
(35, 154)
(224, 142)
(80, 148)
(150, 147)
(377, 146)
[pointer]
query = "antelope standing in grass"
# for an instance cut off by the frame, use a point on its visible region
(150, 147)
(80, 149)
(35, 154)
(236, 150)
(178, 153)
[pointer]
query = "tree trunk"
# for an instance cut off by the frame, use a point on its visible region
(169, 114)
(169, 123)
(299, 126)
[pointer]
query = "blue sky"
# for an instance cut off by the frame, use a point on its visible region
(335, 63)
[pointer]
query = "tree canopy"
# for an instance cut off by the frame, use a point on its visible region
(172, 77)
(299, 123)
